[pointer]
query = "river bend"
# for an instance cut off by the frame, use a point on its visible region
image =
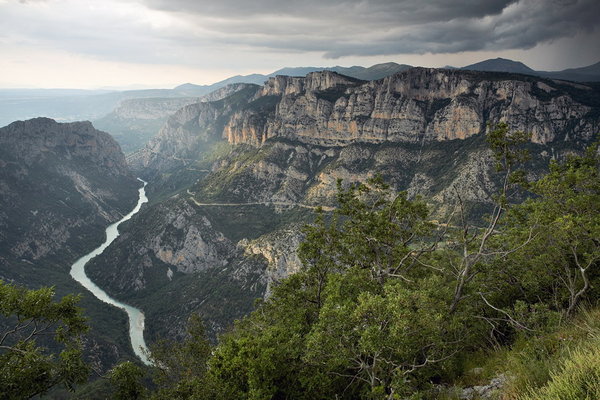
(136, 316)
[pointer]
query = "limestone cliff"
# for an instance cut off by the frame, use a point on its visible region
(185, 133)
(417, 105)
(225, 91)
(163, 107)
(135, 121)
(279, 248)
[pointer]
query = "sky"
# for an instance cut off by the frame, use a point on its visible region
(164, 43)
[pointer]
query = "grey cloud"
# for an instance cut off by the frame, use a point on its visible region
(101, 35)
(206, 32)
(380, 27)
(400, 10)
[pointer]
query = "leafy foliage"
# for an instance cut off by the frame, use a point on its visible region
(366, 318)
(561, 227)
(180, 368)
(375, 312)
(126, 379)
(27, 367)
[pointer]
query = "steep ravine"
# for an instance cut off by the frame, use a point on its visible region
(60, 186)
(172, 251)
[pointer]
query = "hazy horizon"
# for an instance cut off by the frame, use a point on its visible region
(143, 86)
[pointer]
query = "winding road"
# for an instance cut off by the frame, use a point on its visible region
(262, 203)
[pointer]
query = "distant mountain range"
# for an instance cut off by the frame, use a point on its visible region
(374, 72)
(590, 73)
(501, 65)
(73, 104)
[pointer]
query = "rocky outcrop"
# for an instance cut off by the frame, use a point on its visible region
(313, 82)
(414, 106)
(60, 184)
(225, 91)
(279, 248)
(489, 391)
(186, 132)
(39, 139)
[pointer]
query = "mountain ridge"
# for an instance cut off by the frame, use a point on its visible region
(500, 65)
(419, 104)
(73, 104)
(61, 184)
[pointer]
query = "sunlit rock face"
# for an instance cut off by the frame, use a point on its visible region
(417, 105)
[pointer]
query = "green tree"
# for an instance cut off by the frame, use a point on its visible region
(471, 243)
(561, 227)
(373, 229)
(262, 357)
(126, 378)
(365, 318)
(388, 341)
(32, 321)
(180, 368)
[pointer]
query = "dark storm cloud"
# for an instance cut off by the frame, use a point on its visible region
(413, 10)
(380, 27)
